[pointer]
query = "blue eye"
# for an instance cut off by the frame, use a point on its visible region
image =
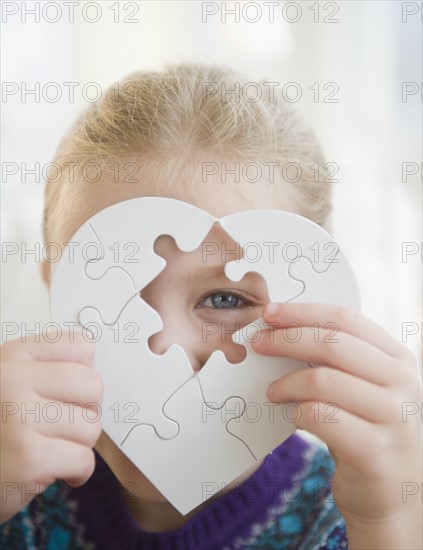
(224, 300)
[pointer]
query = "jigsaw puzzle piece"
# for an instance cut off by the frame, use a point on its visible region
(137, 382)
(203, 459)
(335, 286)
(264, 425)
(256, 427)
(127, 232)
(293, 237)
(82, 291)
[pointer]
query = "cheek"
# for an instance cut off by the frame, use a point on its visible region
(217, 335)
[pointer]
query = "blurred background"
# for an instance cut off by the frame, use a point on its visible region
(357, 66)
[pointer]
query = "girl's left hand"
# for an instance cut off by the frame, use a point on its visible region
(373, 425)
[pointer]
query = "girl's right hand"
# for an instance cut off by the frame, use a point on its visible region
(51, 399)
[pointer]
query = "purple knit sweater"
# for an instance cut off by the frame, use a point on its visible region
(285, 504)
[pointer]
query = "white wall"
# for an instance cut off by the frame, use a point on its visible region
(369, 133)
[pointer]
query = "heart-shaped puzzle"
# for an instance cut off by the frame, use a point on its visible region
(191, 433)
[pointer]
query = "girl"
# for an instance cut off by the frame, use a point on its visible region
(157, 134)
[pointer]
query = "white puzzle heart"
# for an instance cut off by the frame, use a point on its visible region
(191, 433)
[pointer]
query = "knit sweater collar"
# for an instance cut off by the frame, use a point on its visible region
(111, 523)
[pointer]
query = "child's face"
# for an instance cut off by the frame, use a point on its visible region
(200, 308)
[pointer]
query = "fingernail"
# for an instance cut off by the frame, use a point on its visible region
(271, 310)
(271, 391)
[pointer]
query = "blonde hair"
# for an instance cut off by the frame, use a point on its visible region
(181, 113)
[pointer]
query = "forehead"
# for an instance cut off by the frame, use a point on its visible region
(217, 195)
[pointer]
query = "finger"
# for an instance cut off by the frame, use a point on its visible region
(66, 382)
(70, 422)
(345, 352)
(72, 347)
(338, 390)
(344, 320)
(345, 434)
(61, 459)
